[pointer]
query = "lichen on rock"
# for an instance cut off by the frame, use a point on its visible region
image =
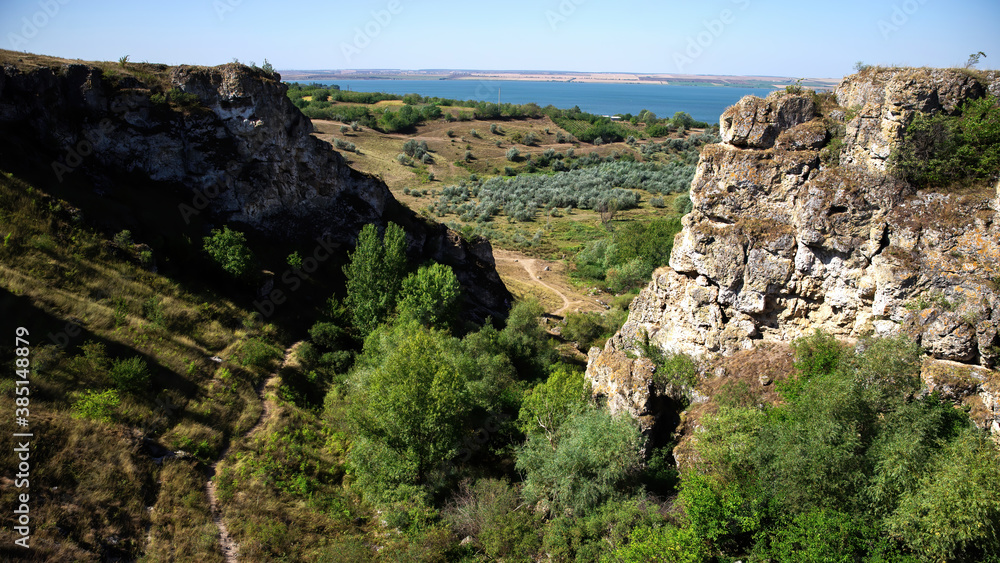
(781, 242)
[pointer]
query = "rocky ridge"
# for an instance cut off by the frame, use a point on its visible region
(223, 141)
(784, 240)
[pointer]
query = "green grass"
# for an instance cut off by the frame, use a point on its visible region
(120, 353)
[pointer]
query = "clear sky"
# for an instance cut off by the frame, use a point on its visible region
(742, 37)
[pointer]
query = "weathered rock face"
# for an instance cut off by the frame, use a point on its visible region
(229, 142)
(756, 123)
(883, 101)
(779, 243)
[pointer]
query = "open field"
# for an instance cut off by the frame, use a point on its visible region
(523, 249)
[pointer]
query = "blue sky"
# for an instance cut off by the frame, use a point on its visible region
(745, 37)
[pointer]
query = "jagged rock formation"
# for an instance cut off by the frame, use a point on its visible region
(227, 141)
(783, 240)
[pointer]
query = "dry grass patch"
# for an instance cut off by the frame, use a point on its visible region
(181, 527)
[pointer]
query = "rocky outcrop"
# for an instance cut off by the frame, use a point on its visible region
(223, 144)
(756, 123)
(882, 102)
(782, 240)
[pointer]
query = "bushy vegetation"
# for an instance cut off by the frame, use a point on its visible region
(374, 275)
(627, 257)
(520, 197)
(843, 469)
(397, 434)
(942, 150)
(228, 248)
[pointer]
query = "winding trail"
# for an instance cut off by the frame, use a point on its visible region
(535, 268)
(266, 391)
(531, 266)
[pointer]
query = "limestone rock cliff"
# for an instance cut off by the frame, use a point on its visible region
(783, 239)
(224, 142)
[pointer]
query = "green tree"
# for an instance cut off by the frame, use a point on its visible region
(409, 408)
(374, 275)
(551, 402)
(430, 296)
(954, 513)
(229, 249)
(525, 341)
(595, 457)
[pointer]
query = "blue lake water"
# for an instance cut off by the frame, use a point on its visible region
(704, 103)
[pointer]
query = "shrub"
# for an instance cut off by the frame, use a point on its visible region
(229, 249)
(97, 405)
(630, 274)
(941, 150)
(595, 457)
(513, 154)
(490, 511)
(822, 535)
(673, 369)
(344, 145)
(817, 355)
(258, 353)
(123, 239)
(683, 204)
(152, 309)
(530, 139)
(955, 512)
(668, 544)
(589, 328)
(657, 202)
(552, 401)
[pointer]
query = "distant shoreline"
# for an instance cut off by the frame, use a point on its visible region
(585, 77)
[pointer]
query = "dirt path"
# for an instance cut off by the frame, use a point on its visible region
(265, 391)
(545, 280)
(531, 266)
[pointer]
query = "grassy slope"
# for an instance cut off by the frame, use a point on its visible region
(96, 489)
(562, 235)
